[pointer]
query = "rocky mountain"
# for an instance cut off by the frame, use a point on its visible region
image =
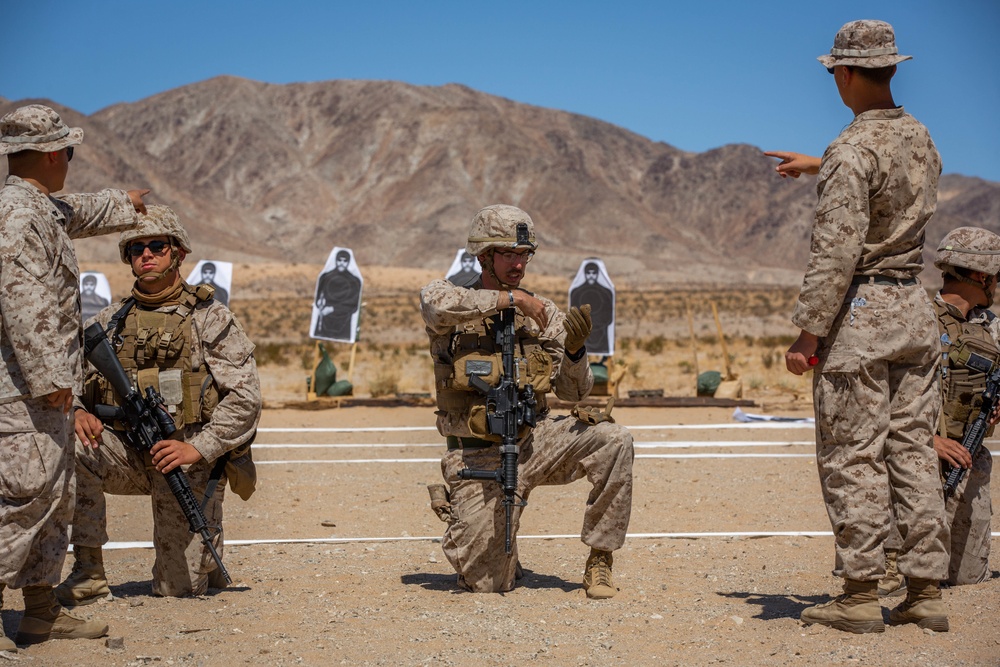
(282, 173)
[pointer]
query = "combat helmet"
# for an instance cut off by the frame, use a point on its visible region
(500, 226)
(158, 221)
(970, 248)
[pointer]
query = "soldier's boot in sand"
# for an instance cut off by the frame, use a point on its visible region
(857, 610)
(893, 583)
(597, 575)
(923, 605)
(87, 583)
(44, 619)
(6, 643)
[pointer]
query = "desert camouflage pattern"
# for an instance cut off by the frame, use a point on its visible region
(871, 212)
(41, 338)
(876, 389)
(40, 342)
(969, 510)
(496, 227)
(36, 128)
(971, 248)
(158, 221)
(866, 43)
(36, 493)
(877, 401)
(183, 564)
(558, 451)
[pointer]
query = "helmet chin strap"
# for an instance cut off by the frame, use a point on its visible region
(488, 268)
(987, 290)
(153, 276)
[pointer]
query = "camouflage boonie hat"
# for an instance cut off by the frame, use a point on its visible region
(496, 227)
(970, 248)
(36, 128)
(869, 44)
(158, 221)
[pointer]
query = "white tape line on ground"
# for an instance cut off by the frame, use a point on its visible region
(638, 456)
(347, 429)
(651, 444)
(437, 538)
(638, 427)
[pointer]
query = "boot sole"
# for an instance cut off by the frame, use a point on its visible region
(935, 623)
(857, 627)
(69, 603)
(31, 638)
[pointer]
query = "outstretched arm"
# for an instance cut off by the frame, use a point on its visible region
(795, 164)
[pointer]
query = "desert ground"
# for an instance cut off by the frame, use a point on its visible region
(336, 559)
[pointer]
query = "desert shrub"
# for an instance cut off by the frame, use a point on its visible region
(654, 345)
(385, 383)
(270, 353)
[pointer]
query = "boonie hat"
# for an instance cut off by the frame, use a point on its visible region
(36, 128)
(867, 43)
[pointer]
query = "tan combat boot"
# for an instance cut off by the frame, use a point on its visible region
(893, 583)
(923, 605)
(857, 610)
(44, 619)
(86, 584)
(597, 576)
(6, 644)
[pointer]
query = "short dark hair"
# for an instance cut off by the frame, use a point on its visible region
(876, 74)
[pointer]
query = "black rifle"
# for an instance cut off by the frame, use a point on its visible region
(147, 422)
(507, 410)
(974, 434)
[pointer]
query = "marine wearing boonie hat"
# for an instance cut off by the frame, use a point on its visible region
(866, 43)
(36, 128)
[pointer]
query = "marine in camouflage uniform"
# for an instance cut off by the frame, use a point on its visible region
(869, 323)
(558, 450)
(969, 259)
(40, 341)
(192, 349)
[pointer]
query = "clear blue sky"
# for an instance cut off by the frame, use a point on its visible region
(696, 75)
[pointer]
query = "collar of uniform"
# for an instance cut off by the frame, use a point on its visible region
(977, 315)
(881, 114)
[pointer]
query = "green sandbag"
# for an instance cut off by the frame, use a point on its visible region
(600, 372)
(708, 382)
(326, 373)
(342, 388)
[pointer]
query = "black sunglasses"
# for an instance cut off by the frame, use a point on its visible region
(69, 153)
(155, 247)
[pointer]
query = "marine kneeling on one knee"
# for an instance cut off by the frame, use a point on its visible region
(466, 327)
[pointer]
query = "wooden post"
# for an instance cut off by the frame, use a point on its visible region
(350, 364)
(694, 343)
(311, 391)
(722, 342)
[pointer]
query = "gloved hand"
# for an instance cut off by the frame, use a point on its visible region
(441, 503)
(578, 326)
(594, 416)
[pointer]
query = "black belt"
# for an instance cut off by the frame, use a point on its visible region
(454, 442)
(883, 280)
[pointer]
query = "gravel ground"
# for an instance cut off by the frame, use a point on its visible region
(367, 583)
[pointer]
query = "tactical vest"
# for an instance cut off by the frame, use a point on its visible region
(473, 351)
(967, 353)
(155, 350)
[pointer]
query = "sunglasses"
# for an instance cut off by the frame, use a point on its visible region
(69, 153)
(511, 256)
(155, 247)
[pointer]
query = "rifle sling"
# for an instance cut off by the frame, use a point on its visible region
(213, 479)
